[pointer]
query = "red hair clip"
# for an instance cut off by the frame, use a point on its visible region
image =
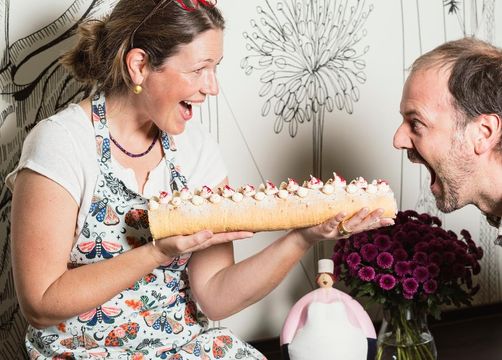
(195, 4)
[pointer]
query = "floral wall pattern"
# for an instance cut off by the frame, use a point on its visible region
(310, 62)
(306, 87)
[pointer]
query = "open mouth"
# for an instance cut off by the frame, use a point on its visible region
(415, 157)
(432, 172)
(186, 110)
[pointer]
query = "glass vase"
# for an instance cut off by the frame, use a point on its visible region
(405, 335)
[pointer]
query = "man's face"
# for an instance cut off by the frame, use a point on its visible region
(429, 134)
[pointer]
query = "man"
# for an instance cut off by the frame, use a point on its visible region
(452, 123)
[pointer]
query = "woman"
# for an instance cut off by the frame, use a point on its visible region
(90, 281)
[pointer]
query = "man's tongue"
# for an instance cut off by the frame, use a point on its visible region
(185, 110)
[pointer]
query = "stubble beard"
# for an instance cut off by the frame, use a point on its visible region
(454, 170)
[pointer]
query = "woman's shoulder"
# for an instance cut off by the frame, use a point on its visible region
(60, 147)
(73, 118)
(70, 125)
(67, 133)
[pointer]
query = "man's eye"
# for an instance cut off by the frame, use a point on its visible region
(416, 125)
(198, 71)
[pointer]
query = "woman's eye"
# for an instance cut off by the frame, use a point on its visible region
(198, 71)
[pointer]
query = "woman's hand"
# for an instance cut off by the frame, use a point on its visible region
(170, 247)
(339, 226)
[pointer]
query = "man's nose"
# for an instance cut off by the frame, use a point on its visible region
(401, 138)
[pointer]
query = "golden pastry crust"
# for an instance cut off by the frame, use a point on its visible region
(269, 208)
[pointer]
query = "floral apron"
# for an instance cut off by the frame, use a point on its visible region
(155, 317)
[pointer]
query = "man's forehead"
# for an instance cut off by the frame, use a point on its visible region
(425, 89)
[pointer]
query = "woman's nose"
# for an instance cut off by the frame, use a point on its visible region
(210, 84)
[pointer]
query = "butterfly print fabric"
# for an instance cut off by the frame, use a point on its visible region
(155, 317)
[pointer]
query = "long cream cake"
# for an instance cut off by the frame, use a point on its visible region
(267, 207)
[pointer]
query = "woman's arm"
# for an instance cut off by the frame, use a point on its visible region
(223, 288)
(43, 227)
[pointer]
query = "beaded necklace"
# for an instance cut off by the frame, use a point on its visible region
(131, 154)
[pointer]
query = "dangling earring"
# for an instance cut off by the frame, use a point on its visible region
(137, 89)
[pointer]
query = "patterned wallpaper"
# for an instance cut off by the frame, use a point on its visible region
(307, 87)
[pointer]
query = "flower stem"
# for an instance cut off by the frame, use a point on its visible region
(406, 336)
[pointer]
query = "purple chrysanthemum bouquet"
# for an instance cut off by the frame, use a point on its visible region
(412, 265)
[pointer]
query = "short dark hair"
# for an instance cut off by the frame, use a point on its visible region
(475, 80)
(98, 58)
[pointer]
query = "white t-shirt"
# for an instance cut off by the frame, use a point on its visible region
(63, 148)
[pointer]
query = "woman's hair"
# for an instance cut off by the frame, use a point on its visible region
(475, 80)
(98, 58)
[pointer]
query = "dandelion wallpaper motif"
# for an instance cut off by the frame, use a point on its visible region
(290, 66)
(310, 57)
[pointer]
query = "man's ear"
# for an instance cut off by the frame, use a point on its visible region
(136, 62)
(487, 132)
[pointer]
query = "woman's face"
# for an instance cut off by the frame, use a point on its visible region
(184, 79)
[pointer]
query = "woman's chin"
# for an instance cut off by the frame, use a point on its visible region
(174, 126)
(177, 130)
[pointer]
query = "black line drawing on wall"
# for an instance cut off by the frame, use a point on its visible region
(33, 86)
(308, 55)
(28, 94)
(473, 18)
(292, 65)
